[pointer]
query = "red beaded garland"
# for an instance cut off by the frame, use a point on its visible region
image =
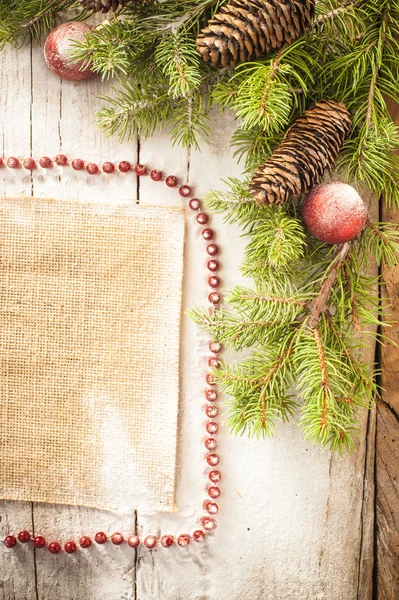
(198, 535)
(100, 537)
(183, 540)
(92, 169)
(150, 541)
(13, 162)
(185, 191)
(133, 541)
(213, 460)
(117, 539)
(108, 167)
(211, 395)
(156, 175)
(213, 265)
(61, 160)
(10, 541)
(29, 164)
(78, 164)
(70, 547)
(141, 170)
(45, 162)
(167, 541)
(195, 204)
(54, 548)
(124, 166)
(215, 476)
(211, 411)
(208, 234)
(24, 537)
(171, 181)
(213, 491)
(210, 444)
(85, 541)
(202, 218)
(39, 541)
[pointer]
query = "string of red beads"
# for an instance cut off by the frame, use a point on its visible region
(207, 522)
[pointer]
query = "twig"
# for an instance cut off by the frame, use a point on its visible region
(325, 384)
(319, 304)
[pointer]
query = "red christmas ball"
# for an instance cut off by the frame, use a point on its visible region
(58, 48)
(334, 213)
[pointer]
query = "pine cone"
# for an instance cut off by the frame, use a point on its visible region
(246, 30)
(309, 148)
(102, 5)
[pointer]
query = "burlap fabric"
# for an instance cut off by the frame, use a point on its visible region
(89, 347)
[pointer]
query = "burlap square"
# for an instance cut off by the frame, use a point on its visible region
(90, 300)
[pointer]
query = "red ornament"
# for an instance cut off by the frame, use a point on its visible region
(202, 218)
(12, 162)
(185, 191)
(24, 536)
(211, 395)
(39, 541)
(211, 507)
(45, 162)
(100, 537)
(198, 535)
(195, 204)
(78, 164)
(215, 476)
(208, 234)
(85, 542)
(334, 213)
(183, 540)
(171, 181)
(212, 427)
(117, 539)
(70, 547)
(208, 523)
(61, 160)
(213, 361)
(167, 541)
(212, 411)
(214, 281)
(212, 249)
(156, 175)
(54, 548)
(92, 169)
(150, 541)
(125, 166)
(213, 265)
(133, 541)
(212, 460)
(214, 298)
(214, 492)
(58, 48)
(29, 164)
(141, 170)
(10, 541)
(215, 347)
(108, 167)
(210, 444)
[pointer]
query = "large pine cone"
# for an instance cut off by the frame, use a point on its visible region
(309, 148)
(102, 5)
(246, 30)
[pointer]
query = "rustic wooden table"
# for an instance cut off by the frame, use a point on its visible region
(296, 523)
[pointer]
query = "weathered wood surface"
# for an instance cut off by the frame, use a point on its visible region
(295, 524)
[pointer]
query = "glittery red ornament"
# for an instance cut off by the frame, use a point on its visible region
(334, 213)
(58, 48)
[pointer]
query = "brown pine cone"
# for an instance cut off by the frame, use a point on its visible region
(246, 30)
(102, 5)
(308, 149)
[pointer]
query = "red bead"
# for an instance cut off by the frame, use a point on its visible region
(100, 537)
(215, 347)
(212, 460)
(85, 541)
(214, 491)
(183, 540)
(213, 265)
(29, 164)
(198, 535)
(202, 218)
(70, 547)
(211, 395)
(214, 297)
(141, 170)
(39, 541)
(156, 175)
(195, 204)
(171, 181)
(78, 164)
(213, 361)
(45, 162)
(54, 548)
(133, 541)
(210, 379)
(117, 539)
(208, 234)
(24, 537)
(185, 191)
(167, 541)
(10, 541)
(212, 427)
(61, 160)
(208, 523)
(212, 249)
(13, 162)
(211, 507)
(150, 541)
(1, 162)
(92, 169)
(215, 476)
(108, 167)
(213, 281)
(125, 166)
(210, 444)
(211, 411)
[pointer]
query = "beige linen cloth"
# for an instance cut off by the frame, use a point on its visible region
(89, 348)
